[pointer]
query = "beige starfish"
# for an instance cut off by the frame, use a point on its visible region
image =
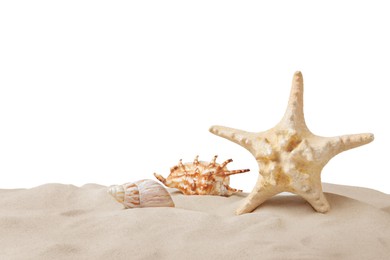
(289, 156)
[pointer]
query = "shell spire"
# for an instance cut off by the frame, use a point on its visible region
(223, 165)
(196, 162)
(212, 163)
(181, 165)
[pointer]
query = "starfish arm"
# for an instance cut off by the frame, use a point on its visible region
(343, 143)
(318, 202)
(314, 195)
(243, 138)
(259, 194)
(294, 116)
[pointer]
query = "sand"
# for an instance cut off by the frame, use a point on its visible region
(56, 221)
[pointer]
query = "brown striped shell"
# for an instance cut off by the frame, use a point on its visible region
(201, 178)
(141, 194)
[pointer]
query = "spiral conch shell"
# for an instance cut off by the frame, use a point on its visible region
(201, 178)
(141, 194)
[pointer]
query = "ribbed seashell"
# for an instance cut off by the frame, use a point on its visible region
(141, 194)
(201, 178)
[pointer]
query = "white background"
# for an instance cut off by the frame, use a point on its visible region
(111, 91)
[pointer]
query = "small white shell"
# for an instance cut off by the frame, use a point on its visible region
(141, 194)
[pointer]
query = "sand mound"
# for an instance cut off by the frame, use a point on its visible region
(56, 221)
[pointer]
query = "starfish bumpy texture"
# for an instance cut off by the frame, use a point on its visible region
(289, 156)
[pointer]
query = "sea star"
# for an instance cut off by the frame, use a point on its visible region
(289, 156)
